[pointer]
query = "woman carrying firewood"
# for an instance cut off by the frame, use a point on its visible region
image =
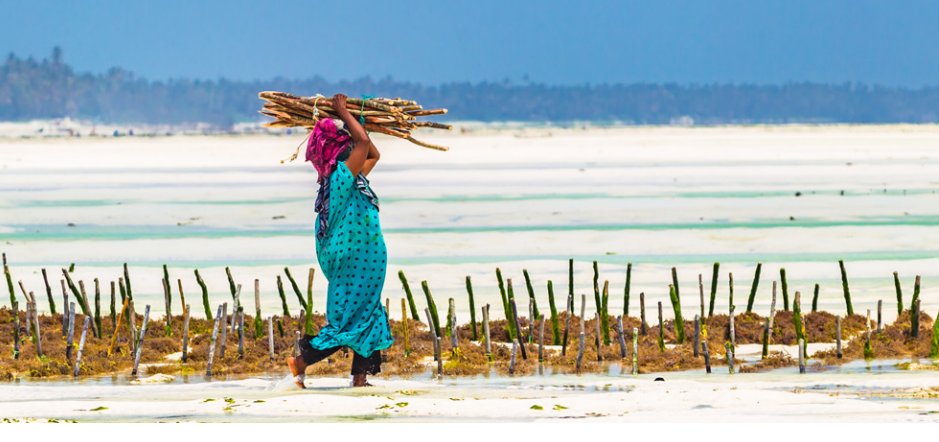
(349, 246)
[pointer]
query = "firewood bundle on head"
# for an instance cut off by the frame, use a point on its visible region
(390, 116)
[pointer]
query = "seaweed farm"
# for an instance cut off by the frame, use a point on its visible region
(110, 337)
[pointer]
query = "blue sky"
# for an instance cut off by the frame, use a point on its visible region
(555, 42)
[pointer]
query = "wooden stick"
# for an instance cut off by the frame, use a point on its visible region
(772, 309)
(515, 322)
(15, 307)
(97, 306)
(896, 283)
(679, 323)
(635, 351)
(472, 307)
(697, 334)
(117, 326)
(914, 319)
(642, 313)
(143, 334)
(486, 332)
(605, 313)
(454, 338)
(730, 357)
(756, 283)
(785, 288)
(567, 323)
(241, 332)
(801, 356)
(433, 308)
(622, 338)
(211, 355)
(555, 322)
(541, 342)
(132, 326)
(880, 305)
(626, 287)
(81, 347)
(71, 332)
(512, 358)
(167, 300)
(308, 320)
(409, 295)
(915, 291)
(531, 322)
(765, 352)
(283, 297)
(185, 332)
(224, 328)
(45, 280)
(714, 274)
(205, 295)
(868, 350)
(296, 288)
(113, 314)
(258, 322)
(838, 352)
(701, 291)
(296, 343)
(182, 296)
(581, 338)
(815, 299)
(707, 356)
(65, 306)
(844, 286)
(733, 333)
(270, 336)
(36, 327)
(433, 333)
(598, 340)
(661, 330)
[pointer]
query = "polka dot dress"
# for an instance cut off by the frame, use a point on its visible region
(353, 258)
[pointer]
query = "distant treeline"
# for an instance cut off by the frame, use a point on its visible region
(50, 88)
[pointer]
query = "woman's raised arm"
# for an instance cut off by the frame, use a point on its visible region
(363, 144)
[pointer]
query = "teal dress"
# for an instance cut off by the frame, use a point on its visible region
(353, 258)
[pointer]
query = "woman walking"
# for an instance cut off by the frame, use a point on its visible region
(350, 248)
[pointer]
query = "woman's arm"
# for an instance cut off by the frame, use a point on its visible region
(371, 159)
(363, 144)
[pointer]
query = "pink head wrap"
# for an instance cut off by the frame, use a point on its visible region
(326, 142)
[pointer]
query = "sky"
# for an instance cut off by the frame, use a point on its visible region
(891, 43)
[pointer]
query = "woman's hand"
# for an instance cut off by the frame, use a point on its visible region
(339, 104)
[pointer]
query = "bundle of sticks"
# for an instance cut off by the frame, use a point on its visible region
(391, 116)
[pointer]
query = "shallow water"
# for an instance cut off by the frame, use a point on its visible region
(656, 197)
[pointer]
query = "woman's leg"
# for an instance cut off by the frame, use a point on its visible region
(362, 367)
(308, 356)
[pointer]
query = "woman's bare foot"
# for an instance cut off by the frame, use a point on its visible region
(360, 380)
(297, 369)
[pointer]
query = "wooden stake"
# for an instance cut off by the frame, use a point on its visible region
(432, 306)
(838, 352)
(270, 336)
(567, 323)
(182, 296)
(772, 309)
(45, 280)
(97, 306)
(635, 351)
(730, 357)
(258, 322)
(65, 305)
(844, 286)
(472, 307)
(515, 322)
(433, 333)
(454, 339)
(629, 277)
(408, 295)
(167, 299)
(205, 295)
(701, 291)
(707, 356)
(81, 347)
(896, 283)
(679, 323)
(880, 305)
(241, 332)
(36, 327)
(661, 330)
(622, 338)
(531, 322)
(143, 334)
(132, 326)
(113, 314)
(541, 342)
(868, 350)
(765, 352)
(405, 332)
(801, 355)
(756, 283)
(308, 323)
(581, 338)
(71, 332)
(283, 297)
(486, 332)
(15, 307)
(185, 332)
(914, 319)
(915, 291)
(512, 358)
(555, 322)
(117, 326)
(785, 288)
(599, 350)
(815, 299)
(642, 313)
(733, 333)
(714, 274)
(224, 328)
(697, 334)
(211, 355)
